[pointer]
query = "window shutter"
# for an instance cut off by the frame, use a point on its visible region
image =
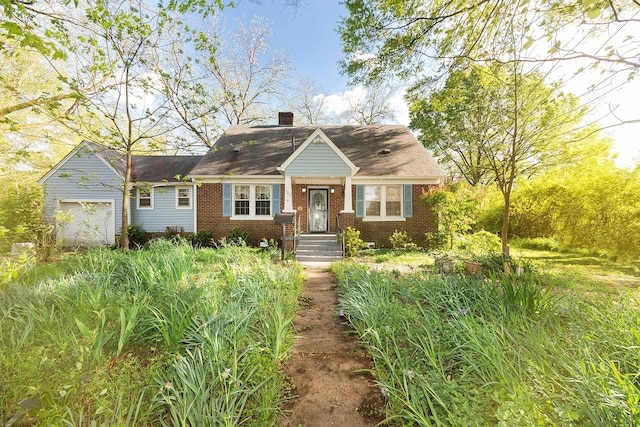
(359, 201)
(275, 199)
(226, 199)
(408, 200)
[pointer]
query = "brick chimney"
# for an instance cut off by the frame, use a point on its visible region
(285, 118)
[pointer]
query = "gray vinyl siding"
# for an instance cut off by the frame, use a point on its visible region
(82, 177)
(164, 213)
(318, 160)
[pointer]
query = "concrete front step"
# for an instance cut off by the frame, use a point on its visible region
(318, 248)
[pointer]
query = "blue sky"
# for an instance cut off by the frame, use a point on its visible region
(308, 33)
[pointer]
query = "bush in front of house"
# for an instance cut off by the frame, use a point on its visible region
(238, 236)
(352, 242)
(402, 240)
(137, 235)
(436, 241)
(203, 239)
(480, 243)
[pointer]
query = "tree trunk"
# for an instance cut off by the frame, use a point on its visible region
(504, 234)
(126, 200)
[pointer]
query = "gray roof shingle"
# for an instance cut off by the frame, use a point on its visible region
(148, 168)
(377, 150)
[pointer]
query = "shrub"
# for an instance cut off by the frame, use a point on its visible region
(137, 235)
(480, 243)
(352, 242)
(238, 236)
(203, 239)
(537, 243)
(436, 240)
(401, 240)
(21, 210)
(171, 233)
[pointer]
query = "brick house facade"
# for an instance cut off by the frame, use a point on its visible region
(209, 217)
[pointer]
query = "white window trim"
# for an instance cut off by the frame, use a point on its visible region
(190, 197)
(252, 204)
(383, 204)
(151, 192)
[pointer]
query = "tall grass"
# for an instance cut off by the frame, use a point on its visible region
(149, 337)
(500, 350)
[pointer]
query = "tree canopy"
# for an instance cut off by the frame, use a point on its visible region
(382, 37)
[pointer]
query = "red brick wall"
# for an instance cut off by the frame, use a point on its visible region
(210, 217)
(424, 220)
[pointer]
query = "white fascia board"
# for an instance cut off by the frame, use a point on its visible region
(249, 179)
(396, 179)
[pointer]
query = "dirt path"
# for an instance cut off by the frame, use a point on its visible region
(326, 389)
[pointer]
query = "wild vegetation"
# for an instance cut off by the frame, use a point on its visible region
(497, 349)
(167, 335)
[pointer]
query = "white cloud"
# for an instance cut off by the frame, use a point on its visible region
(338, 103)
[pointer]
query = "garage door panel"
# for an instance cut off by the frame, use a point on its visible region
(86, 223)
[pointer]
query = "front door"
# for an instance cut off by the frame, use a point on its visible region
(318, 210)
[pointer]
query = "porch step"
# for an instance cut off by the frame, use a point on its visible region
(318, 248)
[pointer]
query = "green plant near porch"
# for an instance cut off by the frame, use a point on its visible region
(352, 242)
(455, 204)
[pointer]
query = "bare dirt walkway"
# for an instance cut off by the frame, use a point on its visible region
(327, 389)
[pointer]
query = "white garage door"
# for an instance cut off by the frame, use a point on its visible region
(86, 223)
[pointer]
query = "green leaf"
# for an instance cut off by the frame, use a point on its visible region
(529, 43)
(593, 13)
(83, 329)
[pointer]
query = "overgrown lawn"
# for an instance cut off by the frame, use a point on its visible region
(496, 350)
(167, 335)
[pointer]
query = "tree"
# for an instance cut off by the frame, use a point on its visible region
(498, 124)
(130, 112)
(185, 84)
(455, 121)
(308, 102)
(394, 36)
(246, 74)
(369, 106)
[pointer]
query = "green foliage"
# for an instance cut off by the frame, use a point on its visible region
(438, 240)
(385, 38)
(125, 337)
(458, 350)
(238, 236)
(137, 235)
(455, 205)
(574, 209)
(401, 240)
(203, 239)
(21, 204)
(479, 244)
(537, 243)
(352, 242)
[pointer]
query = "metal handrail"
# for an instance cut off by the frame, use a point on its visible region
(340, 231)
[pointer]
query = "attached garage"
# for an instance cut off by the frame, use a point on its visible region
(86, 222)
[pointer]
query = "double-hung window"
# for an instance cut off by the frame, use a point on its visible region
(241, 200)
(263, 199)
(145, 198)
(251, 200)
(183, 197)
(383, 201)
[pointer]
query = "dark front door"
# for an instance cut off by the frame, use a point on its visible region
(318, 210)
